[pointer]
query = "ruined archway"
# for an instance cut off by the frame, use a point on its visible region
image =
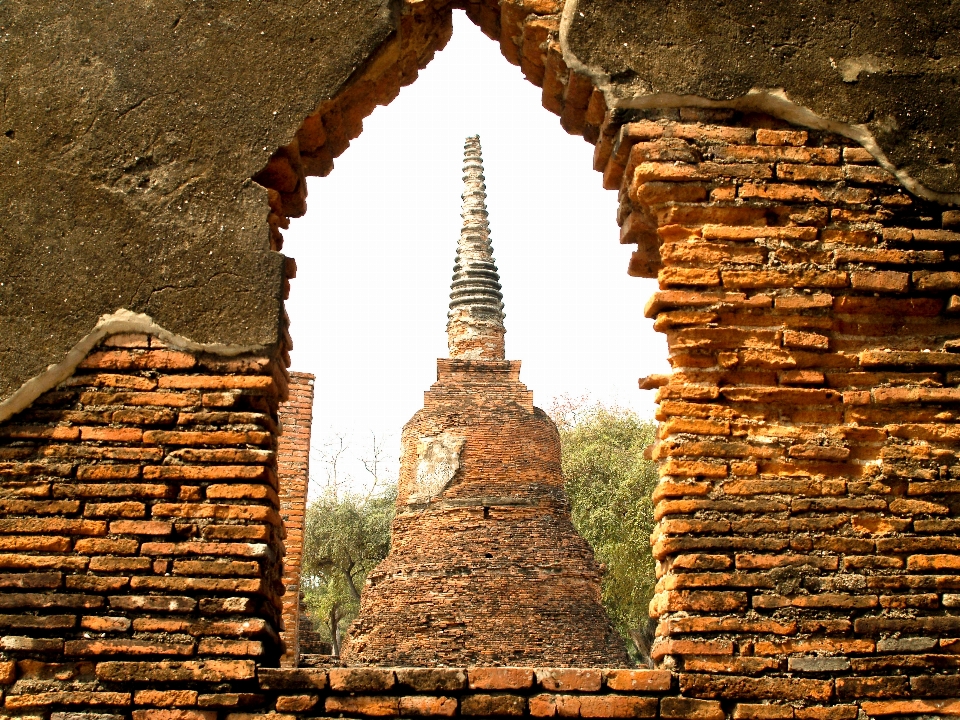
(808, 499)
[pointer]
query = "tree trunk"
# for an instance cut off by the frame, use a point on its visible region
(334, 621)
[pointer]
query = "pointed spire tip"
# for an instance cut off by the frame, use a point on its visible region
(475, 322)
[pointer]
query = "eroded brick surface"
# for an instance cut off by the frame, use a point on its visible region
(485, 566)
(807, 448)
(140, 540)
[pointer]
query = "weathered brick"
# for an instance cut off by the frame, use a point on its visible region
(428, 706)
(567, 680)
(690, 709)
(480, 704)
(185, 671)
(484, 678)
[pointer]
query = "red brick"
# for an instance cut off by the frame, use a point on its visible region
(186, 671)
(297, 703)
(880, 281)
(223, 437)
(165, 698)
(428, 706)
(492, 678)
(115, 510)
(218, 382)
(831, 712)
(99, 623)
(781, 137)
(764, 711)
(617, 706)
(235, 648)
(911, 707)
(687, 277)
(637, 680)
(138, 360)
(369, 706)
(69, 697)
(141, 527)
(121, 646)
(567, 679)
(361, 679)
(174, 714)
(689, 709)
(108, 472)
(805, 340)
(127, 435)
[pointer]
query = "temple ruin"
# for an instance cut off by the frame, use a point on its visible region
(485, 567)
(788, 172)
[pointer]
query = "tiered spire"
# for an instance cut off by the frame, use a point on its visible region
(475, 327)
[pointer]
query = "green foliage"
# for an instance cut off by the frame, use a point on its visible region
(610, 487)
(345, 537)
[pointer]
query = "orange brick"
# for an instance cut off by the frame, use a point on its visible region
(427, 706)
(680, 277)
(810, 173)
(567, 680)
(138, 360)
(129, 435)
(783, 192)
(690, 709)
(781, 137)
(805, 340)
(223, 437)
(165, 698)
(484, 678)
(617, 706)
(297, 703)
(911, 707)
(880, 281)
(764, 711)
(174, 714)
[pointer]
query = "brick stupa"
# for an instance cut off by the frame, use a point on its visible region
(485, 566)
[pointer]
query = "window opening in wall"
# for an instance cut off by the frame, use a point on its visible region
(375, 256)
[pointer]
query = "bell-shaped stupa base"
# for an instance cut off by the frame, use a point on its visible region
(486, 567)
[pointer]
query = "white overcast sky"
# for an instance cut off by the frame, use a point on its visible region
(375, 253)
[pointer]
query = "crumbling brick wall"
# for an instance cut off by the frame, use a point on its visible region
(807, 538)
(140, 540)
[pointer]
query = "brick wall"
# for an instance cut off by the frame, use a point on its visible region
(293, 469)
(807, 538)
(140, 542)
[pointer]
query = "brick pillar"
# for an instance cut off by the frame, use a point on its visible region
(293, 467)
(807, 538)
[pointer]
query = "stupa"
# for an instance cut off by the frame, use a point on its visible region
(485, 566)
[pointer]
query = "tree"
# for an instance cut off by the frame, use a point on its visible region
(345, 537)
(610, 485)
(346, 534)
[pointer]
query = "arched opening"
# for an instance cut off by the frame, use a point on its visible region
(373, 280)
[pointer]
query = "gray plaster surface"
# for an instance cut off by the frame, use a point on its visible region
(128, 136)
(891, 65)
